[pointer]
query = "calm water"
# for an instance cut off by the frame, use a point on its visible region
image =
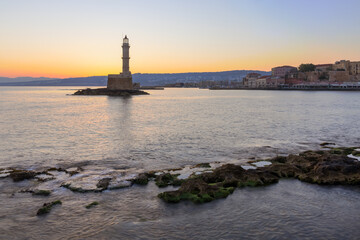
(45, 127)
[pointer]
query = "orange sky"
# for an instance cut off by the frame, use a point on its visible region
(83, 38)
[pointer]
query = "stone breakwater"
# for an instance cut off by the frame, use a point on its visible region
(200, 183)
(108, 92)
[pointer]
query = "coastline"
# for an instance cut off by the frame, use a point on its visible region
(293, 89)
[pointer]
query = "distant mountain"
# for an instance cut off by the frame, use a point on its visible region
(84, 81)
(23, 79)
(153, 79)
(145, 79)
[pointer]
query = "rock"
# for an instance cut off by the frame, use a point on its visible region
(41, 192)
(282, 170)
(320, 167)
(142, 179)
(218, 184)
(279, 159)
(88, 182)
(202, 165)
(46, 208)
(103, 183)
(326, 143)
(197, 191)
(92, 205)
(117, 184)
(44, 177)
(80, 189)
(356, 153)
(20, 175)
(55, 169)
(167, 179)
(227, 172)
(151, 174)
(108, 92)
(342, 150)
(73, 171)
(334, 169)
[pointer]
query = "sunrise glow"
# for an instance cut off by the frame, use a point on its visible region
(83, 38)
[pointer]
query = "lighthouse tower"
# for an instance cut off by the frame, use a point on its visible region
(126, 57)
(122, 81)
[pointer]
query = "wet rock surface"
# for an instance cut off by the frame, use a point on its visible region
(20, 175)
(197, 191)
(103, 183)
(167, 179)
(46, 208)
(142, 179)
(40, 192)
(202, 165)
(108, 92)
(93, 204)
(198, 183)
(320, 167)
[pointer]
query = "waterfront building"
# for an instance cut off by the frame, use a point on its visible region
(293, 81)
(122, 81)
(250, 80)
(273, 82)
(345, 65)
(323, 67)
(282, 71)
(339, 76)
(313, 76)
(341, 72)
(261, 81)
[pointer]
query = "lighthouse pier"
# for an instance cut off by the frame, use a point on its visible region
(118, 84)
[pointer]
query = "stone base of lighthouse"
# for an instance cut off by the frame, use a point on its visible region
(119, 82)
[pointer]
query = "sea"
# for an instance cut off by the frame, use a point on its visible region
(47, 127)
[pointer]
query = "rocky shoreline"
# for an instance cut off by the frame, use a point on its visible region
(203, 182)
(338, 166)
(109, 92)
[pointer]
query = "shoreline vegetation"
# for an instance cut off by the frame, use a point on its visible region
(203, 182)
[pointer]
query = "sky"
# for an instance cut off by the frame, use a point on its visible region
(78, 38)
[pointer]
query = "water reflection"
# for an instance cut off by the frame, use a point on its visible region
(169, 128)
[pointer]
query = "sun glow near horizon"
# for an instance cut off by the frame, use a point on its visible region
(83, 38)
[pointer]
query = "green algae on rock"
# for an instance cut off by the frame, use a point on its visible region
(167, 179)
(46, 208)
(202, 165)
(319, 167)
(197, 191)
(41, 192)
(103, 183)
(93, 204)
(142, 179)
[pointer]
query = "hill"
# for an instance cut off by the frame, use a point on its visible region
(145, 79)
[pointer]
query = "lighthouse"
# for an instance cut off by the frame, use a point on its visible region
(122, 81)
(126, 57)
